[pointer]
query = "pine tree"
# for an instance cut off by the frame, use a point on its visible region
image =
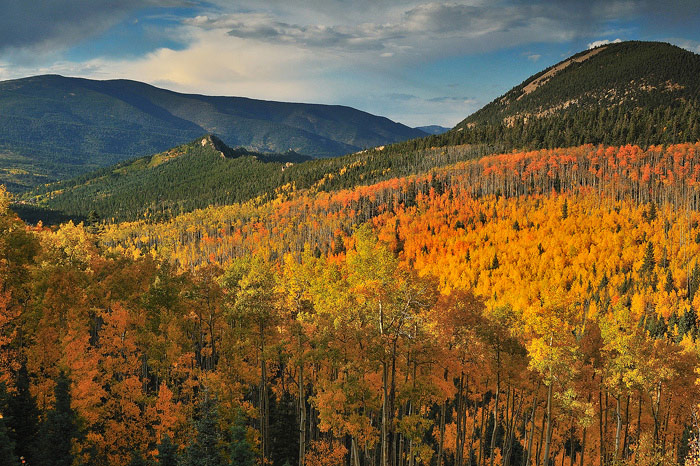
(59, 429)
(648, 262)
(138, 460)
(205, 450)
(24, 417)
(7, 446)
(694, 281)
(240, 451)
(167, 452)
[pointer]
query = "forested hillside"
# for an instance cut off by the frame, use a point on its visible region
(197, 176)
(641, 93)
(54, 127)
(524, 308)
(202, 173)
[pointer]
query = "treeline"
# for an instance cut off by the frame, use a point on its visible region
(619, 125)
(641, 93)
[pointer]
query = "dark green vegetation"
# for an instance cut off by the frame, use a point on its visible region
(52, 127)
(197, 175)
(641, 93)
(201, 173)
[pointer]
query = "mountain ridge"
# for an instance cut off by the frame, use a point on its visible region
(54, 127)
(203, 172)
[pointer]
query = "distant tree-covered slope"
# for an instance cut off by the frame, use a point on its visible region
(53, 127)
(206, 172)
(198, 174)
(641, 93)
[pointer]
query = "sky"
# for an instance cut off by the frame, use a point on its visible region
(413, 61)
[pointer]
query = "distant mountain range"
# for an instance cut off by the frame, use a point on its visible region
(433, 129)
(53, 127)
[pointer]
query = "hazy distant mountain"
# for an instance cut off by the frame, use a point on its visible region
(433, 129)
(52, 127)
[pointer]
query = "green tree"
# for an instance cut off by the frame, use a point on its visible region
(240, 450)
(138, 460)
(205, 448)
(24, 417)
(648, 262)
(7, 446)
(59, 429)
(167, 452)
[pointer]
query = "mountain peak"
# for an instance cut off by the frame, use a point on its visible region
(628, 74)
(629, 92)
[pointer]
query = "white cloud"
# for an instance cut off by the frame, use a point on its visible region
(418, 32)
(598, 43)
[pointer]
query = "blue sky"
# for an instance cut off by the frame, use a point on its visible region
(414, 61)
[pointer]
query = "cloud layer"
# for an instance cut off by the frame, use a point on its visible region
(52, 25)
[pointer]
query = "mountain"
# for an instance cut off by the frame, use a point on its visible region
(433, 129)
(194, 175)
(643, 93)
(53, 127)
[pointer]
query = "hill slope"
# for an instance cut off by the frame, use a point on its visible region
(206, 172)
(641, 93)
(198, 174)
(52, 127)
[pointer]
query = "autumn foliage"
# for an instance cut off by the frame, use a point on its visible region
(524, 308)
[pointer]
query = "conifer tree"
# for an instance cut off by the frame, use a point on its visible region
(205, 449)
(167, 452)
(59, 429)
(24, 417)
(138, 460)
(7, 446)
(648, 262)
(240, 451)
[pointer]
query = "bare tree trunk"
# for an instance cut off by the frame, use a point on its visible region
(627, 428)
(441, 445)
(600, 425)
(482, 437)
(302, 416)
(583, 438)
(354, 453)
(263, 401)
(548, 440)
(618, 427)
(385, 416)
(461, 420)
(538, 457)
(532, 429)
(495, 406)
